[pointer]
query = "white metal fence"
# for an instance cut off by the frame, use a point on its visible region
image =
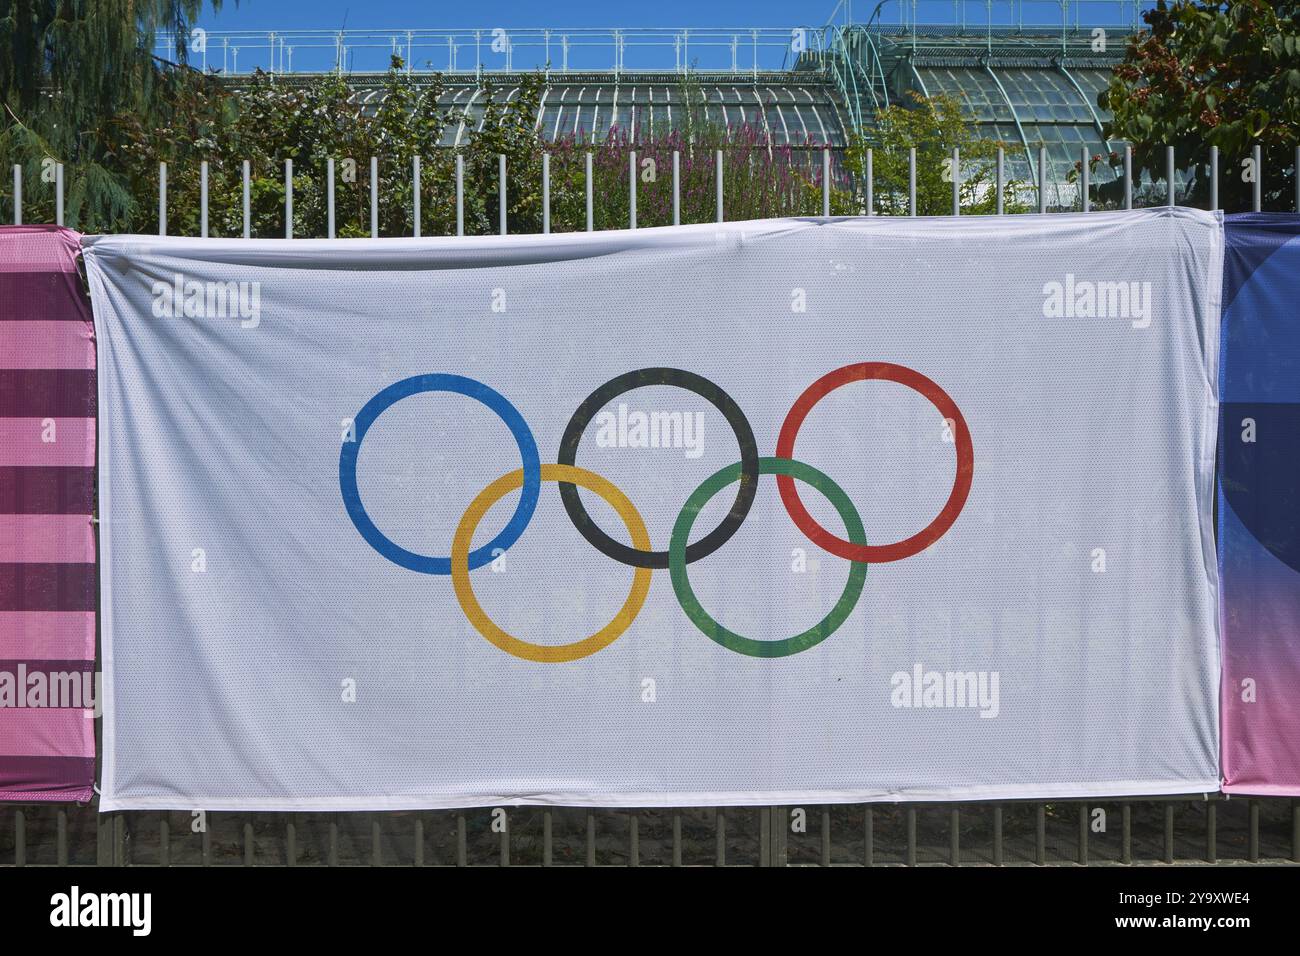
(1166, 189)
(1203, 828)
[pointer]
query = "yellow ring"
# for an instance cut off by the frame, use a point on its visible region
(548, 653)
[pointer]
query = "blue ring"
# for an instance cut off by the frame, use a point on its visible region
(461, 386)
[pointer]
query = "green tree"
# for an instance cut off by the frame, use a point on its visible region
(270, 119)
(68, 69)
(934, 126)
(1212, 74)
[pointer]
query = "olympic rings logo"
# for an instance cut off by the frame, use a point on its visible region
(679, 554)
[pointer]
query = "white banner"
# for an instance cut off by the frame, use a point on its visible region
(756, 513)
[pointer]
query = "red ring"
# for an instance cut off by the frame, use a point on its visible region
(861, 372)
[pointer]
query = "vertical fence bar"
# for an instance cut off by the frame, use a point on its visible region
(203, 199)
(288, 199)
(1257, 188)
(677, 188)
(119, 840)
(460, 195)
(631, 189)
(780, 838)
(826, 182)
(911, 181)
(1085, 175)
(1169, 177)
(1214, 178)
(717, 166)
(870, 182)
(910, 854)
(329, 197)
(1001, 179)
(374, 197)
(997, 836)
(1042, 179)
(546, 193)
(61, 837)
(765, 817)
(58, 194)
(1128, 175)
(634, 838)
(20, 837)
(376, 841)
(164, 839)
(415, 194)
(548, 850)
(501, 193)
(162, 199)
(248, 219)
(954, 836)
(103, 839)
(956, 181)
(720, 836)
(1169, 831)
(591, 206)
(1252, 838)
(18, 194)
(1295, 831)
(869, 837)
(1212, 832)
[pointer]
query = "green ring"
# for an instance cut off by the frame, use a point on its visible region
(730, 639)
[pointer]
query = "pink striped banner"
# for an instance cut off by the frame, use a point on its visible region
(29, 442)
(47, 635)
(37, 343)
(47, 541)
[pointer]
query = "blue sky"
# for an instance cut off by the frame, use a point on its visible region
(332, 14)
(516, 17)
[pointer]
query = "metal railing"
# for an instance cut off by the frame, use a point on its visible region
(755, 49)
(1200, 829)
(867, 202)
(498, 50)
(1205, 828)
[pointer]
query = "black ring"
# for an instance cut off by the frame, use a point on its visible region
(707, 390)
